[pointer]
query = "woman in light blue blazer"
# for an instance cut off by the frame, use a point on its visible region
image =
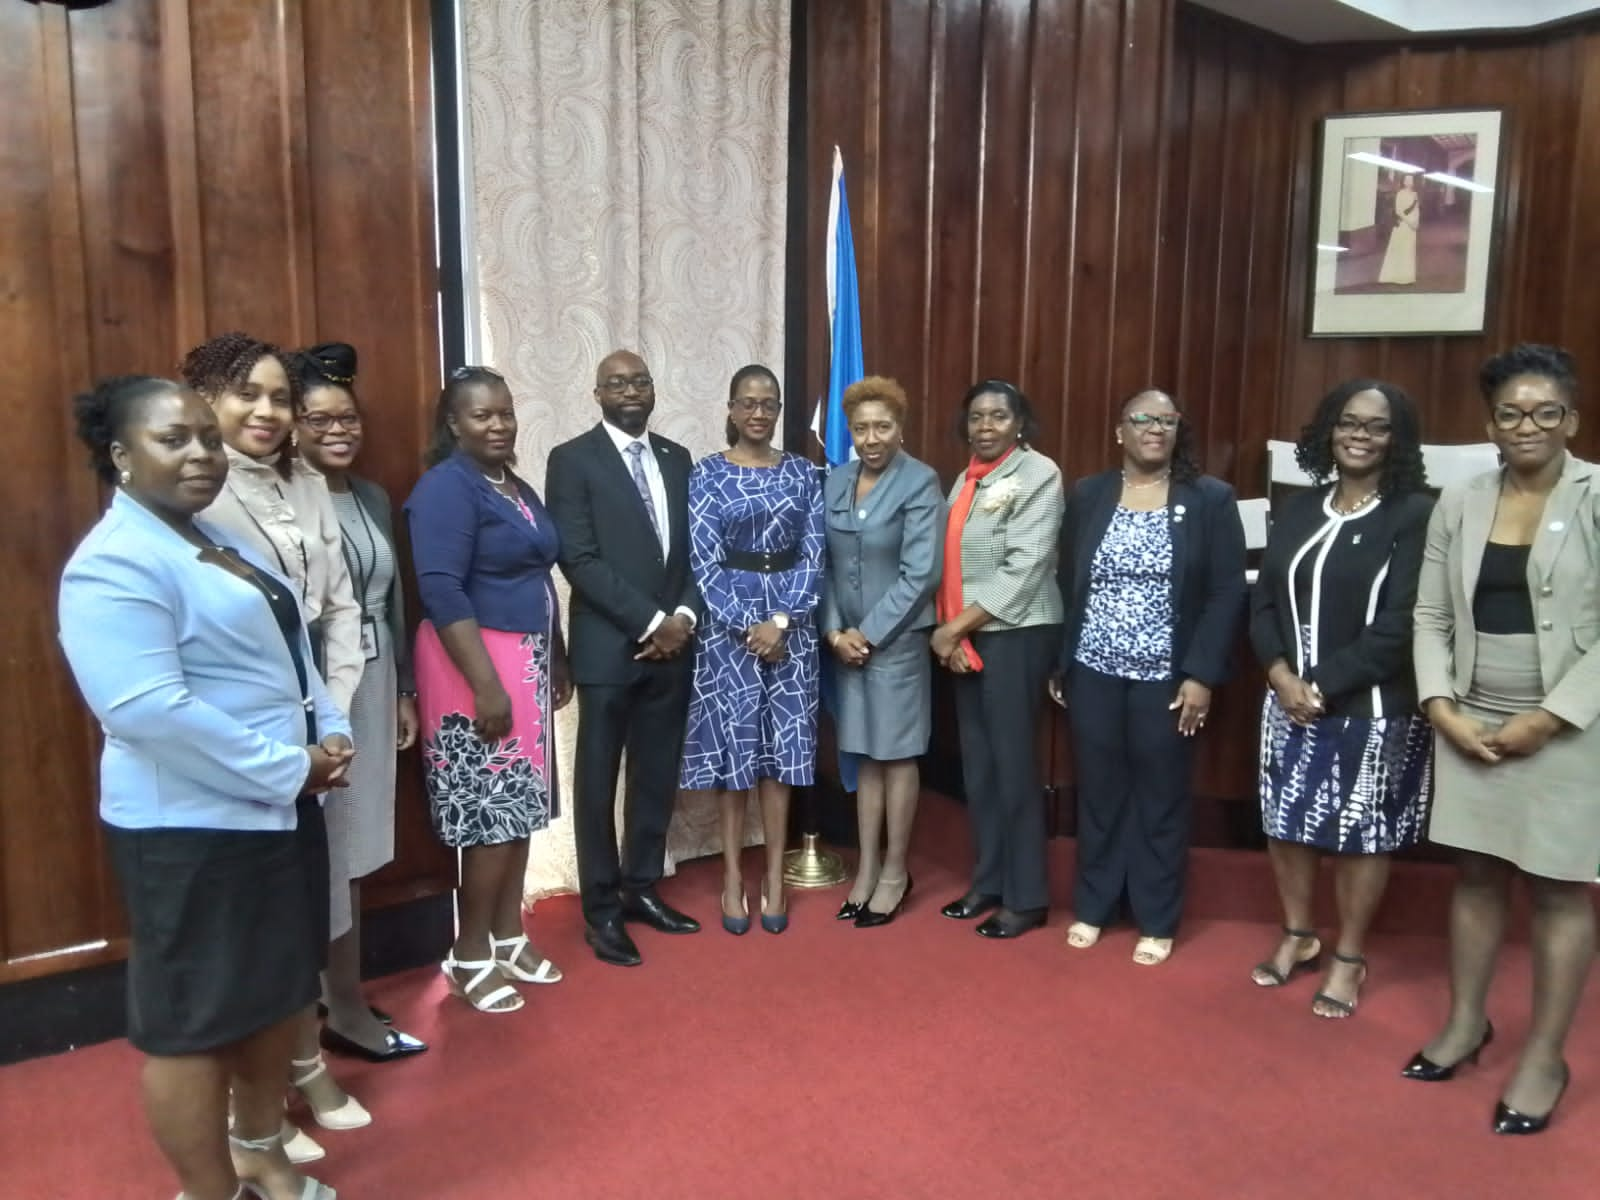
(219, 739)
(883, 520)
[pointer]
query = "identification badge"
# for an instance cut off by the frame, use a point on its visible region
(369, 638)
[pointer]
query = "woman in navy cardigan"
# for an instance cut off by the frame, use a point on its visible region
(491, 670)
(1152, 571)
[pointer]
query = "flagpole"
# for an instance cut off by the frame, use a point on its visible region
(813, 865)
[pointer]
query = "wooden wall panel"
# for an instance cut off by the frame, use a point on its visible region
(172, 169)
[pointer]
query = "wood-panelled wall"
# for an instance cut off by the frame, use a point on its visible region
(1089, 197)
(173, 169)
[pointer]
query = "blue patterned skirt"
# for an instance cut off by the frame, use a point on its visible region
(1345, 785)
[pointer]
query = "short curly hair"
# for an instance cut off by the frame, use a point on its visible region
(1403, 469)
(1530, 358)
(875, 389)
(104, 414)
(223, 365)
(1015, 401)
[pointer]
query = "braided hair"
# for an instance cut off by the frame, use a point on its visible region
(1403, 469)
(1185, 466)
(442, 444)
(223, 365)
(104, 414)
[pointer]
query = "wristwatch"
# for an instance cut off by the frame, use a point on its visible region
(781, 620)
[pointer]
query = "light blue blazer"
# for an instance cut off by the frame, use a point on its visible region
(185, 667)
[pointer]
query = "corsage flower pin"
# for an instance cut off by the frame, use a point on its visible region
(1000, 497)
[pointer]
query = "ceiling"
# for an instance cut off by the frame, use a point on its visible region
(1385, 20)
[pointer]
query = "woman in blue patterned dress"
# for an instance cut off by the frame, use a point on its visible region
(1152, 564)
(1346, 760)
(756, 542)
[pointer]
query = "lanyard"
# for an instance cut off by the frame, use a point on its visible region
(361, 570)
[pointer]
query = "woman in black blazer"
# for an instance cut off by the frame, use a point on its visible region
(1152, 571)
(1346, 756)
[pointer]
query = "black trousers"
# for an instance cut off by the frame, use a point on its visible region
(1133, 770)
(998, 710)
(645, 717)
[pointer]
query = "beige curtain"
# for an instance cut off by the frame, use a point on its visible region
(626, 162)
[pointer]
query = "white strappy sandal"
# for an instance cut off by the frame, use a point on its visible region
(299, 1145)
(507, 965)
(311, 1188)
(492, 1002)
(349, 1115)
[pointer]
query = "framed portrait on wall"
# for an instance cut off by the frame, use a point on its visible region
(1405, 222)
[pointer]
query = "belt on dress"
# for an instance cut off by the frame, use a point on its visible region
(762, 561)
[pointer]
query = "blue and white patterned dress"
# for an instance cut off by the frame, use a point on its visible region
(749, 719)
(1127, 619)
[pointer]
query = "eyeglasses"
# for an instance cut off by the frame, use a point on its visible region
(617, 385)
(1376, 427)
(747, 404)
(1164, 421)
(322, 422)
(1508, 417)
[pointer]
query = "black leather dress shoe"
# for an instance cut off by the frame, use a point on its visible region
(396, 1045)
(1008, 924)
(612, 944)
(649, 909)
(973, 904)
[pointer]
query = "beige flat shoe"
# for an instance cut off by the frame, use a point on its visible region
(1081, 935)
(1152, 951)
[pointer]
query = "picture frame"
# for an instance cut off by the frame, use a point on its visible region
(1406, 221)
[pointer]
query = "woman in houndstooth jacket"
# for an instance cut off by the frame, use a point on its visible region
(1000, 623)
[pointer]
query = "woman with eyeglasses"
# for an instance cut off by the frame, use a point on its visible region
(756, 545)
(1507, 621)
(999, 613)
(1152, 569)
(1346, 757)
(383, 711)
(491, 671)
(280, 507)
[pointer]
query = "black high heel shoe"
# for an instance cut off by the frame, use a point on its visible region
(1510, 1121)
(850, 910)
(871, 920)
(1424, 1070)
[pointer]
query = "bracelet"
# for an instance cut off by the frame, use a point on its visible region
(408, 695)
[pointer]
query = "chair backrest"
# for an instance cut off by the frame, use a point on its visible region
(1255, 515)
(1455, 464)
(1282, 470)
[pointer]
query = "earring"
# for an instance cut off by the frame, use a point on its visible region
(126, 477)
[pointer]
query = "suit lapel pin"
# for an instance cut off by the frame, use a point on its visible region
(1177, 513)
(1557, 526)
(1356, 540)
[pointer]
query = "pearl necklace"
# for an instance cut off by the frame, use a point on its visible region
(1156, 482)
(501, 482)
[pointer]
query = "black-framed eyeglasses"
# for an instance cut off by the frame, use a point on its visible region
(321, 422)
(1508, 417)
(1164, 421)
(763, 404)
(1377, 427)
(619, 385)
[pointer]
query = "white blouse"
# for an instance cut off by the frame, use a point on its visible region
(293, 524)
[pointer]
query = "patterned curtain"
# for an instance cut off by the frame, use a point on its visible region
(628, 164)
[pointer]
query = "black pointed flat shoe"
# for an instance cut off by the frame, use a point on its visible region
(1424, 1070)
(377, 1013)
(1008, 924)
(396, 1045)
(973, 904)
(1513, 1123)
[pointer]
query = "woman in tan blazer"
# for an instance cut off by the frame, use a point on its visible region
(999, 609)
(1506, 622)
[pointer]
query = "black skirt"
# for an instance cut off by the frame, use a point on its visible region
(227, 929)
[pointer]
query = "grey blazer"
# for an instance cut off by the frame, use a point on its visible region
(1563, 568)
(883, 555)
(1011, 541)
(379, 507)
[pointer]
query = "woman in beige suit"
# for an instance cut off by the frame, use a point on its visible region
(1507, 617)
(999, 609)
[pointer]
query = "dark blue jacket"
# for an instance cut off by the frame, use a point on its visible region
(476, 556)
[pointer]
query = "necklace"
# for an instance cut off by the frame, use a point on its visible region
(1365, 501)
(501, 482)
(1159, 479)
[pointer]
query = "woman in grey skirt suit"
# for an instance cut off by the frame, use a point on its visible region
(1507, 618)
(883, 517)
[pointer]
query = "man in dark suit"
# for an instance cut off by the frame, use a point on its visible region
(620, 498)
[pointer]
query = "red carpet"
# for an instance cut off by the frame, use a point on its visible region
(913, 1061)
